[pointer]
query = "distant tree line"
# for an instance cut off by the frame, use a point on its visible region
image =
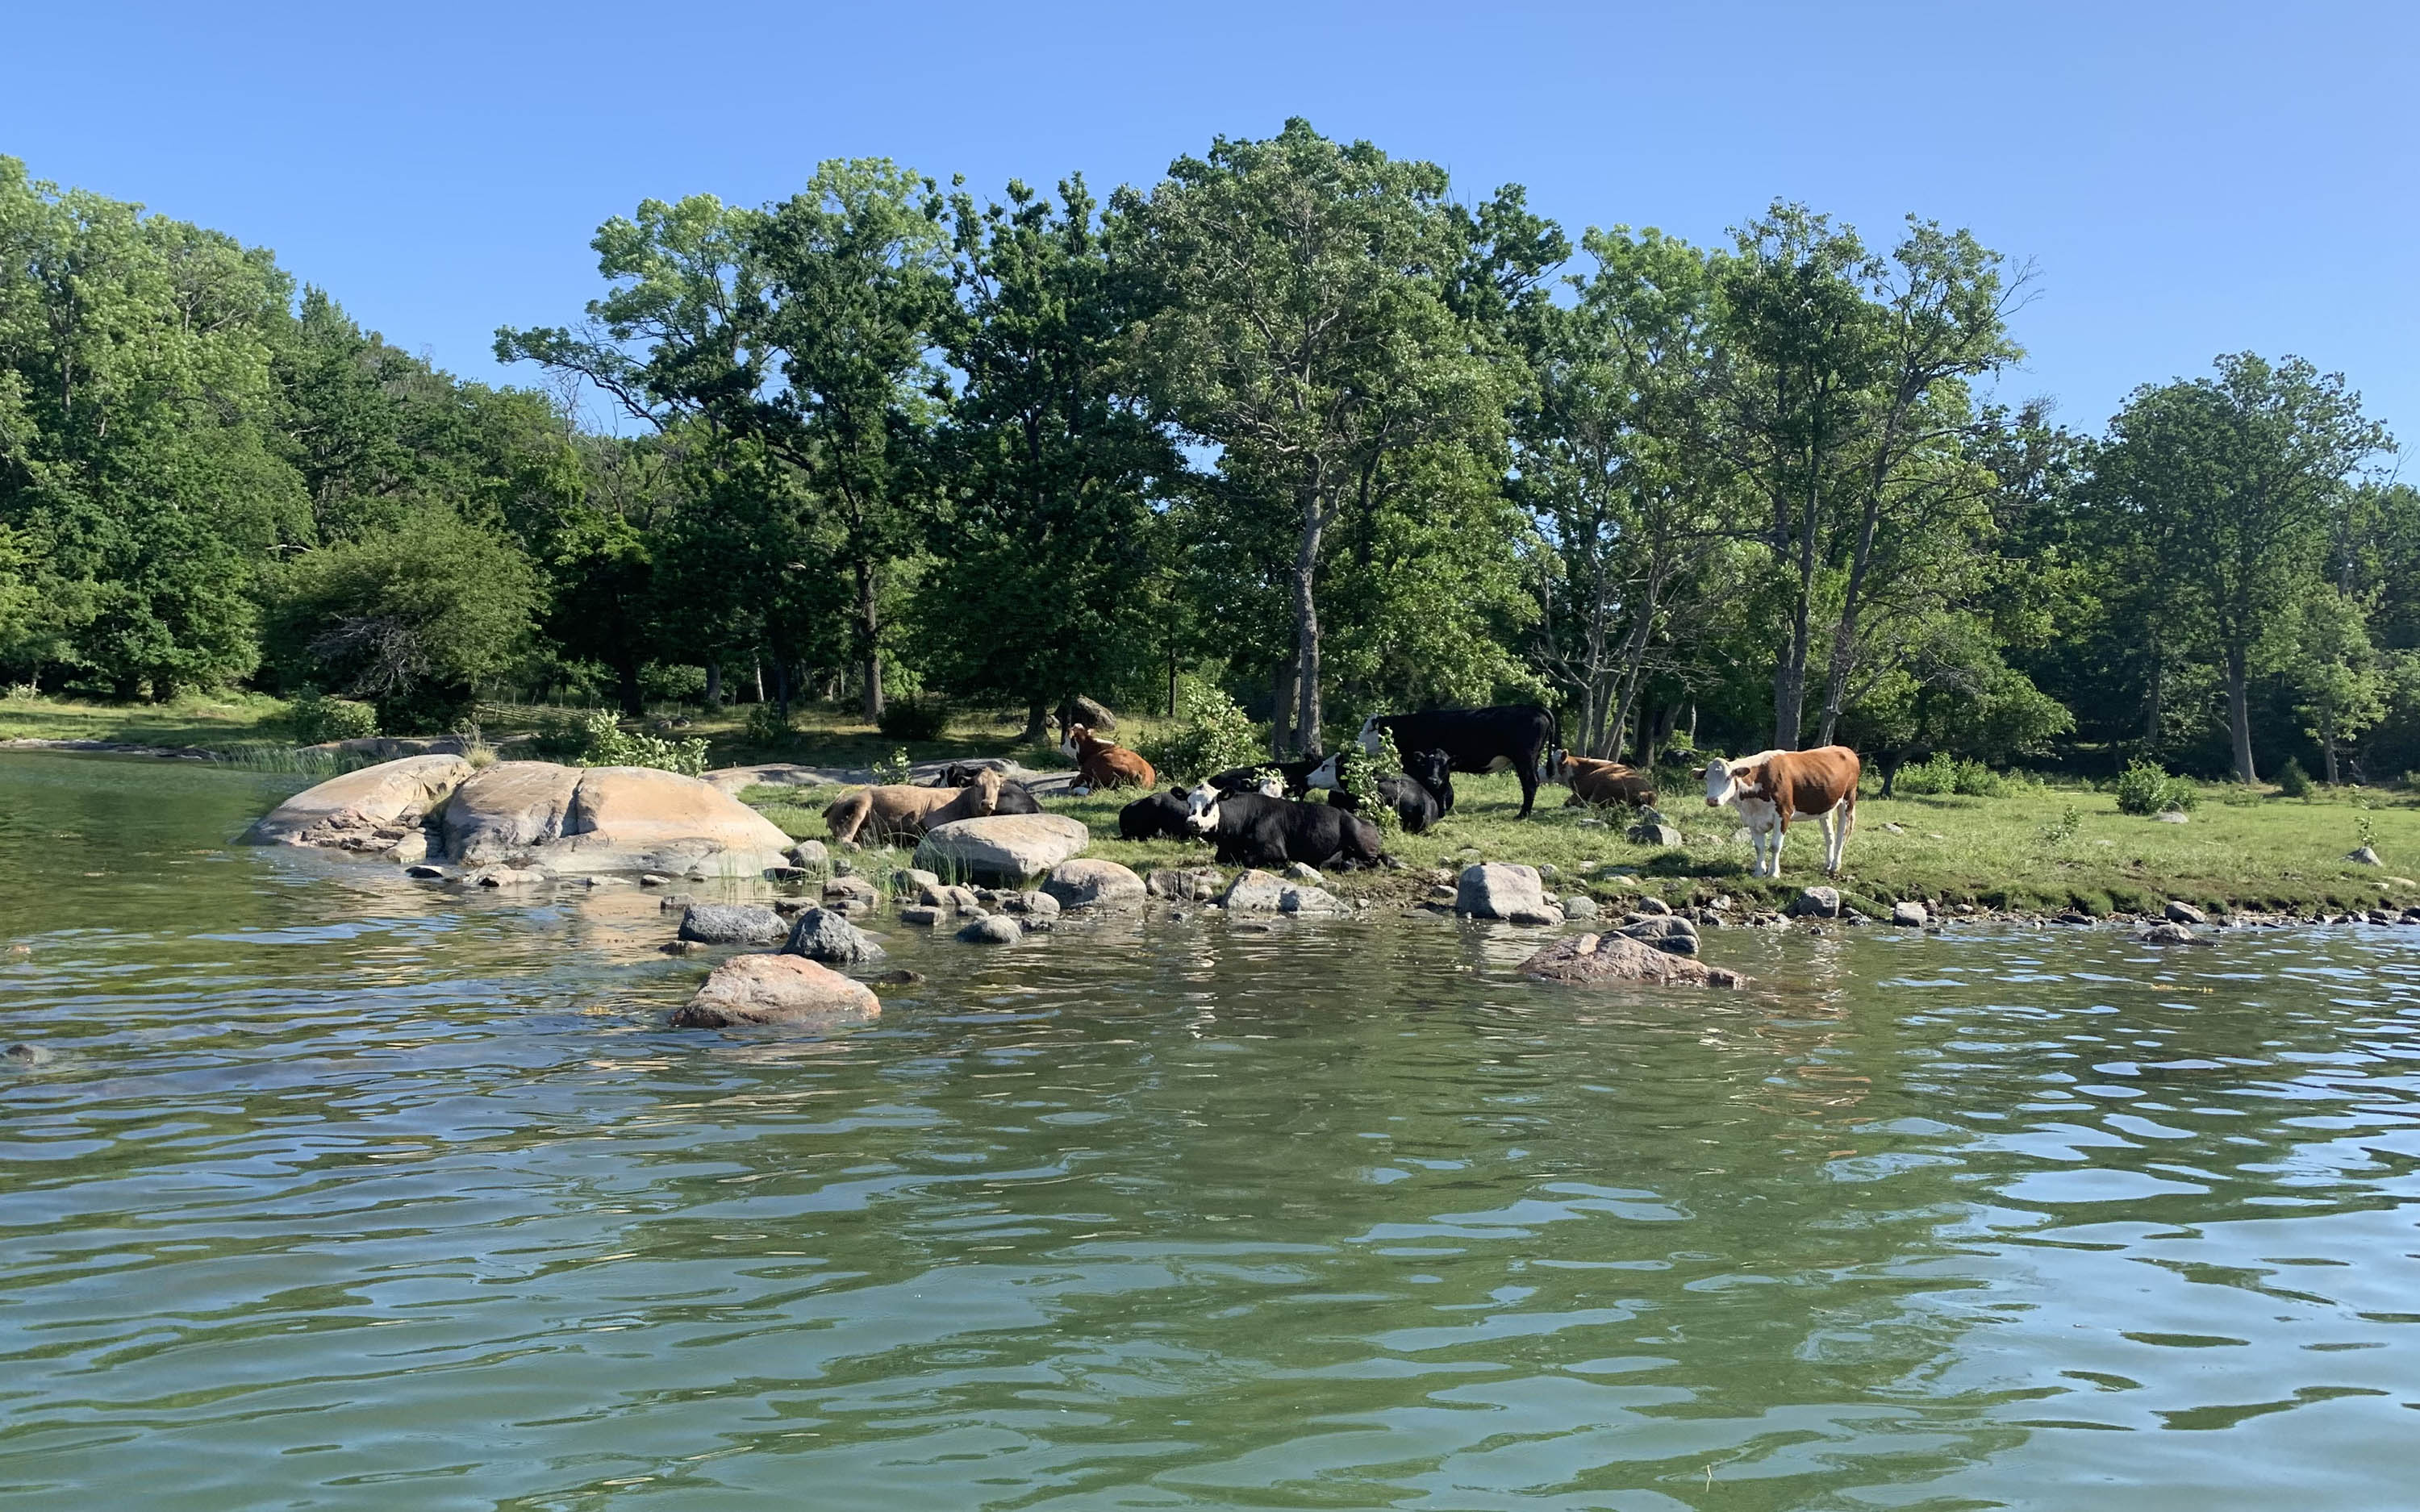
(1295, 422)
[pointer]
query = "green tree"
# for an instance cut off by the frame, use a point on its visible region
(2226, 487)
(2340, 682)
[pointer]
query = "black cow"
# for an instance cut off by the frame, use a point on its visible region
(1477, 740)
(1015, 798)
(1254, 829)
(1295, 774)
(1154, 816)
(1415, 807)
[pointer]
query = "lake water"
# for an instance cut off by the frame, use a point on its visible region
(340, 1191)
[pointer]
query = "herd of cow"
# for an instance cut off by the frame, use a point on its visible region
(1257, 816)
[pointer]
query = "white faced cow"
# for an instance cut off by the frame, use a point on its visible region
(1771, 786)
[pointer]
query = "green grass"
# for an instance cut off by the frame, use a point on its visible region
(197, 719)
(2239, 851)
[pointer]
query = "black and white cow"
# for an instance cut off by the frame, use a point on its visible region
(1154, 816)
(1477, 740)
(1254, 829)
(1416, 806)
(1293, 777)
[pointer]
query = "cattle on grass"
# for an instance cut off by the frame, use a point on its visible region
(1293, 777)
(1415, 807)
(1104, 764)
(1155, 816)
(1254, 829)
(1015, 797)
(899, 812)
(1771, 786)
(1594, 781)
(1517, 735)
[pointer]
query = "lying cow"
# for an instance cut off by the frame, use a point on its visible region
(1254, 829)
(1476, 740)
(898, 811)
(1415, 807)
(1015, 797)
(1104, 764)
(1155, 816)
(1594, 781)
(1771, 786)
(1293, 777)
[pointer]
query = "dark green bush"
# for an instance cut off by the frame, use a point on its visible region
(2146, 788)
(2293, 782)
(914, 719)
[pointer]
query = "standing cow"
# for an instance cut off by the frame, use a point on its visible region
(1771, 786)
(1476, 740)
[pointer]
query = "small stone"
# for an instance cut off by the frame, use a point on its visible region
(810, 856)
(2364, 856)
(927, 918)
(1661, 836)
(1652, 904)
(1584, 959)
(2168, 935)
(1303, 872)
(678, 946)
(851, 889)
(1580, 906)
(504, 877)
(1816, 903)
(2180, 912)
(775, 988)
(992, 929)
(674, 903)
(1666, 933)
(951, 899)
(911, 880)
(654, 879)
(1186, 884)
(26, 1055)
(1548, 871)
(1031, 904)
(825, 935)
(1085, 883)
(1896, 829)
(2169, 816)
(899, 977)
(1909, 914)
(425, 872)
(1502, 890)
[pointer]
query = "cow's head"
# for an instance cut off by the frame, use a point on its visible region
(1270, 783)
(1328, 773)
(1369, 738)
(1201, 807)
(981, 793)
(1431, 769)
(1727, 781)
(1073, 738)
(1556, 767)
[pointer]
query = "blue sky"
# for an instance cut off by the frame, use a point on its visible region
(2187, 180)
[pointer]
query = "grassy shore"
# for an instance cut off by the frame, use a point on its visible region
(203, 720)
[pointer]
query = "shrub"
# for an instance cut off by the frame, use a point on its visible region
(2062, 830)
(766, 725)
(1360, 779)
(315, 717)
(1975, 781)
(1214, 736)
(2293, 782)
(2146, 788)
(597, 738)
(914, 718)
(1937, 775)
(896, 768)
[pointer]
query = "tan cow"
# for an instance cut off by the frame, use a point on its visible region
(1104, 764)
(1594, 781)
(897, 812)
(1771, 786)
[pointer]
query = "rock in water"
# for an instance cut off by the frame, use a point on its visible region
(2169, 934)
(821, 935)
(1002, 850)
(992, 929)
(1031, 904)
(1186, 884)
(810, 856)
(731, 924)
(1258, 893)
(851, 890)
(1909, 915)
(356, 805)
(2179, 912)
(776, 989)
(1664, 932)
(1816, 903)
(1578, 906)
(1501, 889)
(1589, 959)
(1094, 884)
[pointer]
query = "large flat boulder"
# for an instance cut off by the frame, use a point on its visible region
(1090, 883)
(638, 819)
(1000, 849)
(395, 795)
(507, 808)
(1589, 959)
(776, 989)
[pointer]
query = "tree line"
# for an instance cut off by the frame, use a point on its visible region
(1297, 421)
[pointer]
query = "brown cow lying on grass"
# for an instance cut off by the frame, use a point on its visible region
(1594, 781)
(896, 811)
(1104, 764)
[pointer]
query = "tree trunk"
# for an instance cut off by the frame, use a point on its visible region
(2154, 715)
(1037, 720)
(2239, 713)
(760, 679)
(869, 630)
(714, 685)
(781, 684)
(1308, 722)
(626, 679)
(1171, 684)
(2328, 749)
(1281, 716)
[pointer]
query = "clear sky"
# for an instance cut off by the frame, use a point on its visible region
(2187, 178)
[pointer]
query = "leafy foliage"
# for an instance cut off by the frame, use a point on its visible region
(1212, 736)
(314, 718)
(2146, 788)
(594, 737)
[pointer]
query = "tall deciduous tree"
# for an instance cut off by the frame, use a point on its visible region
(2228, 485)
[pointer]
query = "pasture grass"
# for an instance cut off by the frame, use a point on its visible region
(205, 720)
(2041, 848)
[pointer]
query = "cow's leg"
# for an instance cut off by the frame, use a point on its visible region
(1781, 834)
(1755, 839)
(1527, 772)
(1845, 816)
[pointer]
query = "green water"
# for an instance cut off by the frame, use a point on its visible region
(339, 1191)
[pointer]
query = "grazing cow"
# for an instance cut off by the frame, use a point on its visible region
(898, 811)
(1015, 797)
(1415, 806)
(1594, 781)
(1770, 786)
(1476, 740)
(1254, 829)
(1155, 816)
(1104, 764)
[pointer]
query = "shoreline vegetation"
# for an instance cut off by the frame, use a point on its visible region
(2042, 847)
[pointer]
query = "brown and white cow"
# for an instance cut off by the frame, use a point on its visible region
(1597, 781)
(1104, 764)
(1771, 786)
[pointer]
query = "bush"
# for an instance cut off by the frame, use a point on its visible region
(2146, 788)
(315, 717)
(914, 718)
(2293, 782)
(896, 768)
(597, 738)
(1215, 735)
(1975, 781)
(766, 725)
(1951, 774)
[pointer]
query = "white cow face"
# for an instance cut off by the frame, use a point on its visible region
(1202, 808)
(1271, 785)
(1551, 768)
(1721, 786)
(1368, 737)
(1328, 774)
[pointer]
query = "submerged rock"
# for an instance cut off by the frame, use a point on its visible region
(2169, 934)
(992, 929)
(1086, 883)
(825, 934)
(1586, 960)
(776, 989)
(732, 924)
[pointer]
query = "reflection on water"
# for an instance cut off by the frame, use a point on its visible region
(340, 1191)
